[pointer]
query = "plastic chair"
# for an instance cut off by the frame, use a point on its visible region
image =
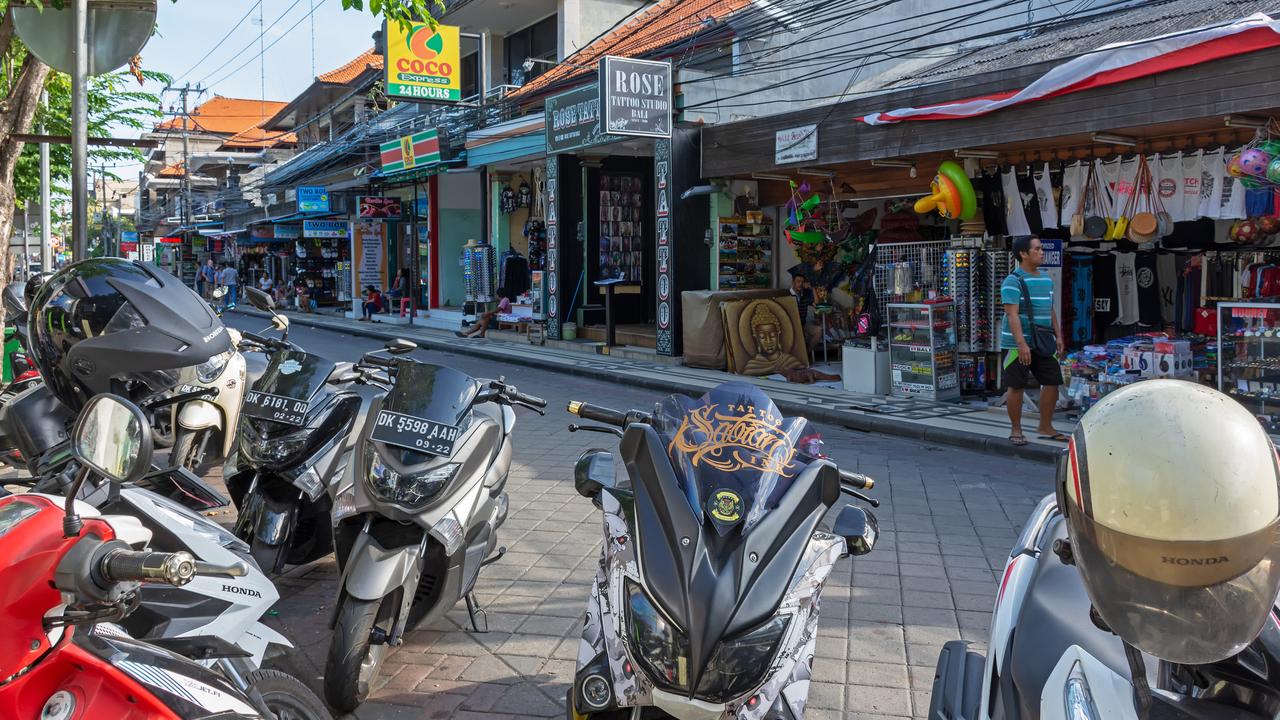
(406, 304)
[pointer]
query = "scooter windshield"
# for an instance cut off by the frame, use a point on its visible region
(294, 374)
(431, 392)
(733, 451)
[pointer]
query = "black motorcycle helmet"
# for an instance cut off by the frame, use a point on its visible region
(119, 326)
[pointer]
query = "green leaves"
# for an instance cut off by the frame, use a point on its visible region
(401, 11)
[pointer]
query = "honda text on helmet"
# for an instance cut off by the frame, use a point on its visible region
(1172, 492)
(114, 325)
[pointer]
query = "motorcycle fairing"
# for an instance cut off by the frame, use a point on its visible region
(717, 586)
(787, 680)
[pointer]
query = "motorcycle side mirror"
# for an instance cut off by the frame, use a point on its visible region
(400, 347)
(280, 322)
(257, 298)
(112, 437)
(859, 529)
(219, 293)
(592, 473)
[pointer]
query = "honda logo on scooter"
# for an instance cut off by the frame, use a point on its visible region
(237, 590)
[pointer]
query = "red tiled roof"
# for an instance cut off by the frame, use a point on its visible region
(256, 137)
(174, 170)
(354, 69)
(226, 116)
(663, 24)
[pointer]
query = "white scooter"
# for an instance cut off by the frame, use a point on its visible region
(1048, 659)
(205, 418)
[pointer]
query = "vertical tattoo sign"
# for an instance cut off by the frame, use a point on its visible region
(662, 204)
(553, 247)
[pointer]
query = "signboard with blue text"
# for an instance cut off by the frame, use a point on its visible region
(313, 198)
(324, 228)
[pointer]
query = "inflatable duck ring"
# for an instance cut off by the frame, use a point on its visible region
(952, 194)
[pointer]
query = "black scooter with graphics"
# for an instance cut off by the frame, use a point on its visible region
(705, 602)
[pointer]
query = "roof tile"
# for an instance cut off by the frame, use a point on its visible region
(226, 116)
(354, 69)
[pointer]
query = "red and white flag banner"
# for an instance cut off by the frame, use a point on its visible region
(1109, 65)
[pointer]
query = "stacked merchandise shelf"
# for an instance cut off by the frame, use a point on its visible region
(999, 263)
(317, 260)
(906, 272)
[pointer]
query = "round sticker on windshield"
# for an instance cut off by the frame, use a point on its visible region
(725, 506)
(289, 367)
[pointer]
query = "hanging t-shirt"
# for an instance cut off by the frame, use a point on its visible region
(1259, 202)
(1233, 200)
(1126, 289)
(1146, 273)
(1167, 275)
(1123, 186)
(1167, 172)
(1044, 198)
(1081, 299)
(1073, 177)
(992, 203)
(1212, 173)
(1014, 215)
(1030, 204)
(1106, 306)
(1191, 169)
(1107, 174)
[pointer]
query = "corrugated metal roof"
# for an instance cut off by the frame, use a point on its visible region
(1089, 30)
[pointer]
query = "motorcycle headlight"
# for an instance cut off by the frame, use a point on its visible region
(740, 664)
(209, 370)
(274, 449)
(404, 489)
(656, 643)
(1077, 698)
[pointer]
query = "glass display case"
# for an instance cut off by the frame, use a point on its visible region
(922, 350)
(1249, 358)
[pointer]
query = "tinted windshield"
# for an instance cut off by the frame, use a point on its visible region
(734, 453)
(294, 374)
(431, 392)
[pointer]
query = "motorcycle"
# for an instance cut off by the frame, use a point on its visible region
(705, 604)
(206, 424)
(77, 572)
(300, 421)
(1049, 658)
(417, 514)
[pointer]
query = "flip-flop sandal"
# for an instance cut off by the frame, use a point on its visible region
(1056, 437)
(1018, 440)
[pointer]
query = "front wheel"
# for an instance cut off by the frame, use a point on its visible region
(287, 697)
(270, 558)
(354, 659)
(191, 450)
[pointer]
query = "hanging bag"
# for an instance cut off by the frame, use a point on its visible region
(1094, 225)
(1120, 225)
(1145, 225)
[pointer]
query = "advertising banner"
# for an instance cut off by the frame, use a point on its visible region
(423, 63)
(324, 228)
(368, 266)
(795, 144)
(636, 96)
(379, 208)
(573, 121)
(287, 232)
(313, 198)
(410, 151)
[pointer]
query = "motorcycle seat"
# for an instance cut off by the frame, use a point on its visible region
(1055, 616)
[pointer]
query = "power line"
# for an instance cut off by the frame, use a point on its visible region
(262, 53)
(246, 48)
(220, 41)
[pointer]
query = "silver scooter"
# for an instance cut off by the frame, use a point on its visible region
(416, 517)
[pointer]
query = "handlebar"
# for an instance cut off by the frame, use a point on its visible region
(596, 413)
(857, 481)
(531, 400)
(176, 568)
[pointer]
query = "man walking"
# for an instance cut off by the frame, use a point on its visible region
(230, 279)
(1027, 296)
(208, 279)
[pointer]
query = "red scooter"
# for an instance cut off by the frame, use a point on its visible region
(71, 573)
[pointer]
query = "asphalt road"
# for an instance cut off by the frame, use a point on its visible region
(948, 518)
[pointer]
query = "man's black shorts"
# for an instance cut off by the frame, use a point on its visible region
(1044, 368)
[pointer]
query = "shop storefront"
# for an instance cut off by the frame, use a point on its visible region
(617, 210)
(1155, 214)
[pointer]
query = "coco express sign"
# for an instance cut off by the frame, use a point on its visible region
(423, 62)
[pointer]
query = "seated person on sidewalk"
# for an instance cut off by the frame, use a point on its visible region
(372, 303)
(482, 325)
(303, 293)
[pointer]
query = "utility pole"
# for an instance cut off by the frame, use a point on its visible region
(46, 213)
(185, 90)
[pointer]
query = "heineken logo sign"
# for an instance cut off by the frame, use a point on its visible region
(635, 96)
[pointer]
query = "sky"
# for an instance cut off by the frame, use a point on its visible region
(187, 30)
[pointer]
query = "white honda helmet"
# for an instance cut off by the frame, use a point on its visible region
(1172, 492)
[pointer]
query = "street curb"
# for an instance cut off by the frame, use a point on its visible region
(865, 422)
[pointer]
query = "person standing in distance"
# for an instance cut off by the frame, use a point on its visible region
(230, 279)
(208, 279)
(1020, 361)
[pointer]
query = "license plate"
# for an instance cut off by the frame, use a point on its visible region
(206, 392)
(414, 433)
(276, 408)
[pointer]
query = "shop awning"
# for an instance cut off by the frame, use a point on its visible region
(221, 233)
(196, 226)
(1109, 65)
(520, 147)
(419, 173)
(295, 217)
